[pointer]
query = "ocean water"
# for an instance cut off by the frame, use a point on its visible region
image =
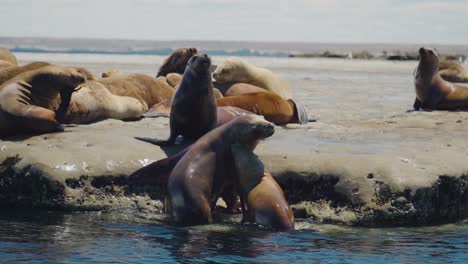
(50, 237)
(334, 90)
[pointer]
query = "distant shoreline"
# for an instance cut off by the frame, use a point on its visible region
(230, 48)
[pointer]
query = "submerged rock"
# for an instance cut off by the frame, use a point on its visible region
(407, 169)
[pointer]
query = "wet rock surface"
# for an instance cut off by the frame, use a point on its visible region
(402, 169)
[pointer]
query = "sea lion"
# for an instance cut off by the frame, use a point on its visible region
(111, 73)
(235, 69)
(7, 57)
(174, 79)
(243, 88)
(94, 102)
(270, 105)
(193, 109)
(27, 101)
(433, 92)
(452, 71)
(265, 200)
(177, 61)
(199, 177)
(145, 88)
(7, 73)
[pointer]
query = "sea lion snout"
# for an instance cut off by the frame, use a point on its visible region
(427, 52)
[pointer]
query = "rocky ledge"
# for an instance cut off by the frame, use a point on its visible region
(405, 169)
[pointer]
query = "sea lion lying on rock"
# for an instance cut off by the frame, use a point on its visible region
(27, 101)
(452, 71)
(145, 88)
(177, 61)
(9, 72)
(235, 69)
(7, 58)
(193, 108)
(198, 179)
(270, 105)
(433, 92)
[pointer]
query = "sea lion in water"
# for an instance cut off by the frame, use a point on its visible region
(7, 59)
(27, 101)
(8, 73)
(177, 61)
(199, 177)
(193, 109)
(452, 71)
(270, 105)
(265, 200)
(235, 69)
(433, 92)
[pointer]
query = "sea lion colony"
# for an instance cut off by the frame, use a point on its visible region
(229, 122)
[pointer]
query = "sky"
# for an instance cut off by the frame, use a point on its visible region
(337, 21)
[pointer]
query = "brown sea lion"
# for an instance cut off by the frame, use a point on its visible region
(243, 88)
(140, 86)
(199, 177)
(94, 102)
(433, 92)
(7, 57)
(270, 105)
(177, 61)
(27, 101)
(265, 200)
(452, 71)
(174, 79)
(8, 73)
(193, 109)
(235, 69)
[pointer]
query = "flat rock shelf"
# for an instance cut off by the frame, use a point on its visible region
(408, 168)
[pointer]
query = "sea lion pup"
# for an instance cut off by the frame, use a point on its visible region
(7, 58)
(433, 92)
(270, 105)
(235, 69)
(199, 177)
(27, 101)
(193, 109)
(145, 88)
(265, 200)
(8, 73)
(452, 71)
(177, 61)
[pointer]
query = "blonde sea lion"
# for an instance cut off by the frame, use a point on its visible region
(8, 73)
(177, 61)
(235, 69)
(198, 179)
(27, 101)
(145, 88)
(433, 92)
(452, 71)
(193, 108)
(243, 88)
(270, 105)
(7, 57)
(111, 73)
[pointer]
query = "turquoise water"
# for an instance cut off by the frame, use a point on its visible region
(47, 237)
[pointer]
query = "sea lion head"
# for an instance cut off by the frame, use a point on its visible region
(88, 75)
(428, 56)
(111, 73)
(248, 129)
(232, 69)
(177, 61)
(200, 64)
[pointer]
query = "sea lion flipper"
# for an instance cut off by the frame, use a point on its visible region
(417, 104)
(155, 141)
